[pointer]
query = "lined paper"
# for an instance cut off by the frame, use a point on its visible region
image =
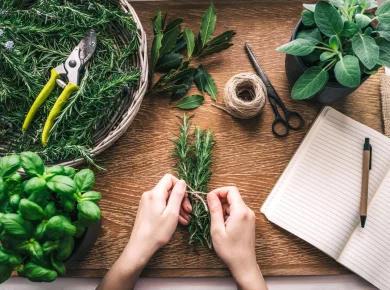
(318, 196)
(367, 253)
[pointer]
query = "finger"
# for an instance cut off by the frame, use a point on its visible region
(183, 221)
(184, 214)
(231, 193)
(165, 184)
(186, 205)
(216, 213)
(226, 209)
(176, 198)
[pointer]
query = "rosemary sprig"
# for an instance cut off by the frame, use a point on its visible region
(43, 35)
(194, 166)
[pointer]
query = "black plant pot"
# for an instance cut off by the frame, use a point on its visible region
(85, 243)
(333, 90)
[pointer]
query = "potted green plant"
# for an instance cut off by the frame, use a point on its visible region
(45, 216)
(335, 47)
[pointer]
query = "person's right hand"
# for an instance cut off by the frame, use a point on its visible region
(233, 234)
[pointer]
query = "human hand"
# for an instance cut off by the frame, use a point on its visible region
(233, 234)
(158, 214)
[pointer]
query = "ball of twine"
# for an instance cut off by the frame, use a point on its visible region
(244, 96)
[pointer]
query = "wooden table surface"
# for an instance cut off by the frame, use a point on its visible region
(247, 155)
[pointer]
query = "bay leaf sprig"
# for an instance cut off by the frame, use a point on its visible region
(174, 49)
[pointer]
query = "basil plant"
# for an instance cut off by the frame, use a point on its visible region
(41, 215)
(341, 39)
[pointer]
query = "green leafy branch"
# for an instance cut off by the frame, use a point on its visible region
(166, 57)
(339, 40)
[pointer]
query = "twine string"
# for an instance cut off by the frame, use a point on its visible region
(197, 195)
(244, 96)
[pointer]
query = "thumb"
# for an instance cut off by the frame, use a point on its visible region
(216, 212)
(176, 197)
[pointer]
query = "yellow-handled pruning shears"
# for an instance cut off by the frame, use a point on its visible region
(70, 71)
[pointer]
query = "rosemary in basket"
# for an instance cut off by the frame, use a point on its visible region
(38, 37)
(194, 159)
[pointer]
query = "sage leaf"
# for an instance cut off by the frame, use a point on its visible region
(307, 17)
(314, 34)
(190, 102)
(384, 51)
(310, 7)
(368, 31)
(156, 46)
(347, 71)
(181, 92)
(300, 46)
(172, 88)
(189, 37)
(169, 40)
(362, 20)
(384, 30)
(328, 19)
(214, 49)
(310, 83)
(173, 24)
(337, 3)
(326, 55)
(207, 25)
(349, 29)
(372, 71)
(334, 42)
(200, 79)
(366, 50)
(169, 61)
(224, 37)
(383, 13)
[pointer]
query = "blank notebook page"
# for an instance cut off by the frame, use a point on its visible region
(318, 196)
(367, 253)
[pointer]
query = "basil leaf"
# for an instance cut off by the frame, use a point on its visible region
(3, 256)
(40, 230)
(156, 46)
(9, 165)
(173, 24)
(91, 196)
(69, 171)
(169, 61)
(84, 179)
(35, 251)
(30, 210)
(68, 204)
(169, 40)
(2, 186)
(347, 71)
(15, 259)
(190, 102)
(299, 46)
(310, 83)
(54, 228)
(48, 247)
(366, 50)
(37, 273)
(34, 185)
(14, 225)
(362, 20)
(80, 229)
(313, 34)
(181, 92)
(307, 17)
(349, 29)
(328, 19)
(207, 25)
(384, 51)
(69, 228)
(224, 37)
(215, 49)
(88, 210)
(53, 170)
(189, 37)
(62, 184)
(50, 210)
(59, 266)
(65, 248)
(5, 272)
(32, 164)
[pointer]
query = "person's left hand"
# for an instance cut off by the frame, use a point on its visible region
(159, 212)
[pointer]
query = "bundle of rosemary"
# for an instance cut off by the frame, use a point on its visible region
(34, 38)
(194, 159)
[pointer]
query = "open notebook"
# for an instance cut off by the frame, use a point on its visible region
(317, 198)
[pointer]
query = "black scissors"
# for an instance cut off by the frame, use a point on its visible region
(280, 126)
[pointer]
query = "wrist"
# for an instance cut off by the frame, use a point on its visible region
(247, 276)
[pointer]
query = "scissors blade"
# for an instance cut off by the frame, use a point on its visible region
(257, 66)
(87, 46)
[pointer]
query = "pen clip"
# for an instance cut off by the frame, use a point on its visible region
(370, 157)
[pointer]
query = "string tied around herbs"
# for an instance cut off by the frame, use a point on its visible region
(197, 195)
(244, 96)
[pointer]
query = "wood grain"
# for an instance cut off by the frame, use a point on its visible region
(247, 155)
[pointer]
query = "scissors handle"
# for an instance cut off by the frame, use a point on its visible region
(280, 126)
(294, 120)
